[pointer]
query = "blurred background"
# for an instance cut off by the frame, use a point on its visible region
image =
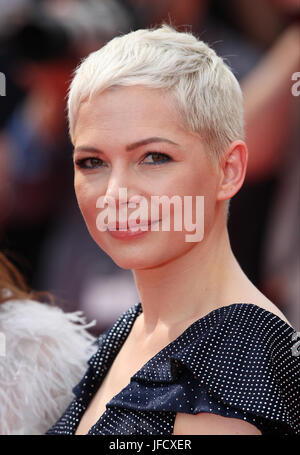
(41, 229)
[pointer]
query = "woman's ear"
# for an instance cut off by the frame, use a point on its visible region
(233, 170)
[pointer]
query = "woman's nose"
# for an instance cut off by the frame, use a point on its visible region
(117, 189)
(112, 195)
(121, 192)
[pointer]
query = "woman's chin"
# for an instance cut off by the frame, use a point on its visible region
(133, 257)
(135, 262)
(138, 254)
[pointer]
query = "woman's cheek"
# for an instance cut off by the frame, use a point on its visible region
(87, 199)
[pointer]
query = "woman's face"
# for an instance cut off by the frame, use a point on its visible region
(180, 166)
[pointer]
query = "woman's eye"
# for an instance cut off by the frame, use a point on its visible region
(157, 158)
(153, 158)
(89, 163)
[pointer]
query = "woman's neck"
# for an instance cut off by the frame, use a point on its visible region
(190, 286)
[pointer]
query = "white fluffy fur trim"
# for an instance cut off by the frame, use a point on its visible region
(46, 356)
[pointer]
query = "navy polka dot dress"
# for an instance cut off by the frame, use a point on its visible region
(237, 361)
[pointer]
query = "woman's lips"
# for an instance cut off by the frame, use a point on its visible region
(114, 230)
(116, 226)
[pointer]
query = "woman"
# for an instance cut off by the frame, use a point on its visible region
(158, 113)
(43, 353)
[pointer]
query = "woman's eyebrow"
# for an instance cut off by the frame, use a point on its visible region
(149, 140)
(129, 148)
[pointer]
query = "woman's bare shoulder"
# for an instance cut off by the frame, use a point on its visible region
(259, 299)
(205, 423)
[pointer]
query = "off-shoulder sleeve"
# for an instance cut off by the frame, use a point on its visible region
(247, 366)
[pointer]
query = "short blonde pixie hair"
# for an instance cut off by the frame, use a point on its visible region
(206, 92)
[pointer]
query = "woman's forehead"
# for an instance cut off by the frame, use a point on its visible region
(130, 111)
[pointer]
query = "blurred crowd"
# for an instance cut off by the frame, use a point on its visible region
(41, 228)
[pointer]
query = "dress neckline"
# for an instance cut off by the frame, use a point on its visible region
(139, 310)
(129, 317)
